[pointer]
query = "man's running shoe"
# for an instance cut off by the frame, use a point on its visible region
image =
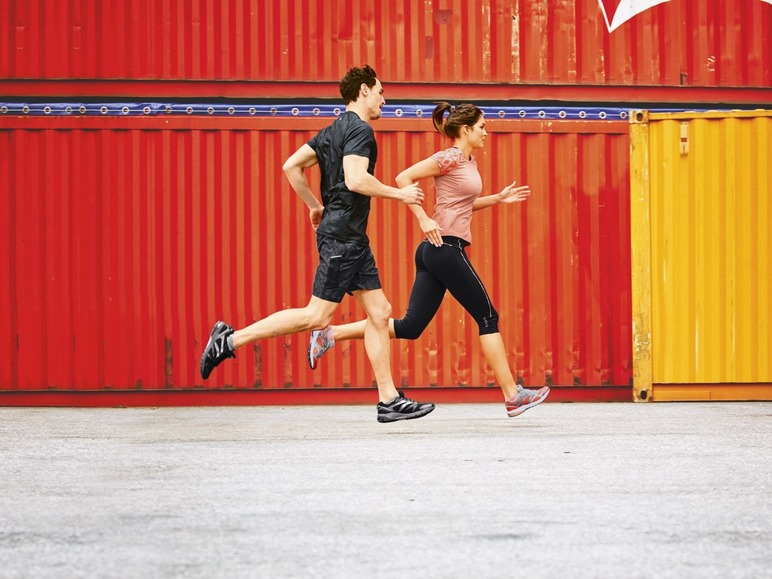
(401, 408)
(525, 399)
(321, 341)
(217, 349)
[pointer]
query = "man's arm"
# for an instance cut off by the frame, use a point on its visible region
(294, 168)
(360, 181)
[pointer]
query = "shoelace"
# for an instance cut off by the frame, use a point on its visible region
(223, 351)
(402, 402)
(408, 401)
(524, 396)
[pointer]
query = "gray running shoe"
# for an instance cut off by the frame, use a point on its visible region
(525, 399)
(321, 341)
(401, 408)
(217, 349)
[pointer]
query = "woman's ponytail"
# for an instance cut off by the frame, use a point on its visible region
(465, 114)
(438, 117)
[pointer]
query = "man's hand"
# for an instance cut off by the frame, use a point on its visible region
(411, 194)
(316, 216)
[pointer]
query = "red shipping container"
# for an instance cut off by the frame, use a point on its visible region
(276, 48)
(127, 237)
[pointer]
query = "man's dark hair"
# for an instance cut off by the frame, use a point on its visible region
(350, 84)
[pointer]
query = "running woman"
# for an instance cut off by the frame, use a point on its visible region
(441, 260)
(346, 153)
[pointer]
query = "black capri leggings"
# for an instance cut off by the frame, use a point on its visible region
(439, 269)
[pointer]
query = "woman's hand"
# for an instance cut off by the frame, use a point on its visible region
(432, 231)
(512, 194)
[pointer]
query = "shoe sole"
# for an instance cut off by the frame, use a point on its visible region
(311, 359)
(397, 416)
(519, 411)
(215, 331)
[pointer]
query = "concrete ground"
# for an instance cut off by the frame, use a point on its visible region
(565, 490)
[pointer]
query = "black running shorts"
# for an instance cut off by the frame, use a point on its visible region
(344, 267)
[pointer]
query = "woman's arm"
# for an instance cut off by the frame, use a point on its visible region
(422, 170)
(509, 194)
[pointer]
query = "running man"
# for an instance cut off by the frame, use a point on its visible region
(346, 153)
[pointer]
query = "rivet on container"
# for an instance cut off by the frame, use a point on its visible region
(125, 110)
(210, 110)
(419, 113)
(316, 112)
(252, 110)
(336, 111)
(542, 114)
(398, 112)
(562, 114)
(231, 110)
(189, 110)
(522, 114)
(582, 114)
(82, 110)
(602, 114)
(47, 110)
(295, 111)
(3, 109)
(273, 110)
(146, 110)
(103, 110)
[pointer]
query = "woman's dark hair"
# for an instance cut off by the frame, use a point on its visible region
(463, 114)
(349, 84)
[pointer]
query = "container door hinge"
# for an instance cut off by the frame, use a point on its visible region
(684, 142)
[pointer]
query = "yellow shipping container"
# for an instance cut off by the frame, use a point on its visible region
(701, 255)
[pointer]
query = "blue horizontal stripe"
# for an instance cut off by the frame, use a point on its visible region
(299, 110)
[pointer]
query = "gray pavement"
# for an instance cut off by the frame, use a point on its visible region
(565, 490)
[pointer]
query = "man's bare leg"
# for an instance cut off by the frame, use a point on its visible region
(317, 313)
(223, 340)
(376, 336)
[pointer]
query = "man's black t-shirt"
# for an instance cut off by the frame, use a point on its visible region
(345, 212)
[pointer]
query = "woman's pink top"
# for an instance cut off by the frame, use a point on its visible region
(458, 185)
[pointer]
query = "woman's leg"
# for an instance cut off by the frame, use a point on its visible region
(496, 356)
(455, 270)
(355, 330)
(425, 299)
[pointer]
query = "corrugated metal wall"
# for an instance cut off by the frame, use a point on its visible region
(708, 181)
(715, 44)
(126, 238)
